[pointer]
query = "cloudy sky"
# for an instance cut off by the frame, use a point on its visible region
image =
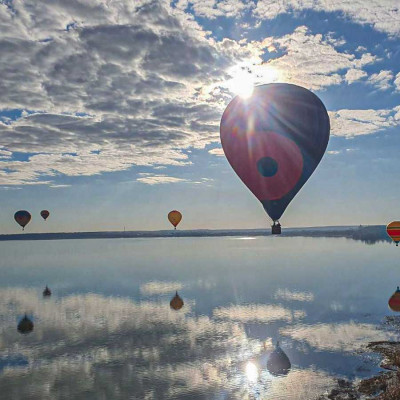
(110, 110)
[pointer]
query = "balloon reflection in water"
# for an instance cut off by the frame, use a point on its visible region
(46, 292)
(394, 301)
(176, 302)
(25, 325)
(278, 362)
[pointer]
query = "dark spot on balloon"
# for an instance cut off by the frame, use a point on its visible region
(267, 166)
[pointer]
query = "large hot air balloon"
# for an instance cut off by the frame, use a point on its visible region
(176, 303)
(393, 230)
(22, 217)
(394, 301)
(174, 217)
(44, 214)
(274, 140)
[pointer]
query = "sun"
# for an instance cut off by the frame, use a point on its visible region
(245, 78)
(242, 82)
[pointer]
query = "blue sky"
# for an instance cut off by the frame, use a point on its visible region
(109, 113)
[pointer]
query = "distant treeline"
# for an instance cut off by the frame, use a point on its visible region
(367, 234)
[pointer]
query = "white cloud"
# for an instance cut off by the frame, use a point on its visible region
(347, 337)
(217, 152)
(382, 15)
(382, 80)
(351, 123)
(289, 295)
(155, 287)
(257, 312)
(313, 61)
(354, 74)
(333, 152)
(160, 179)
(396, 82)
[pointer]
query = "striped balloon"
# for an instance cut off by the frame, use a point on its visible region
(393, 230)
(394, 301)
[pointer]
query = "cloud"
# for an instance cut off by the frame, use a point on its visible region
(217, 152)
(313, 61)
(396, 82)
(382, 15)
(333, 152)
(257, 312)
(155, 287)
(160, 179)
(346, 337)
(288, 295)
(353, 75)
(351, 123)
(382, 80)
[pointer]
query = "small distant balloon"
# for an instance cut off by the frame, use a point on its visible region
(393, 230)
(278, 362)
(176, 302)
(394, 301)
(274, 140)
(46, 292)
(44, 214)
(25, 325)
(22, 218)
(174, 217)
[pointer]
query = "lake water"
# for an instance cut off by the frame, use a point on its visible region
(108, 332)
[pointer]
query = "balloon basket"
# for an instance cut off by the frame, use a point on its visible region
(276, 229)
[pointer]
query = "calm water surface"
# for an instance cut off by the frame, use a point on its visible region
(107, 332)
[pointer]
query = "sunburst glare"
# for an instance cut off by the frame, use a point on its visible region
(251, 372)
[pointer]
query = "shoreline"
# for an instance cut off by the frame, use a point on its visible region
(369, 234)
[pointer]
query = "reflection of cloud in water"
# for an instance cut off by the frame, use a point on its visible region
(156, 287)
(257, 312)
(347, 337)
(286, 294)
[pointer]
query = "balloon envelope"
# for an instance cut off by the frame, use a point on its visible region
(394, 301)
(44, 214)
(25, 325)
(274, 140)
(174, 217)
(393, 230)
(278, 362)
(22, 217)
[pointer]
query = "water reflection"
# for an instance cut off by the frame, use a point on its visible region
(176, 303)
(25, 325)
(112, 333)
(46, 292)
(278, 362)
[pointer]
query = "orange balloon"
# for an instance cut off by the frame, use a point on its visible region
(394, 301)
(393, 230)
(176, 302)
(174, 217)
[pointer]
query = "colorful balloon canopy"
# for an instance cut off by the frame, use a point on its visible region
(393, 230)
(176, 303)
(394, 301)
(274, 140)
(174, 217)
(44, 214)
(22, 218)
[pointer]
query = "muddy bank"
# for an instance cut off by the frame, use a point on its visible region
(384, 386)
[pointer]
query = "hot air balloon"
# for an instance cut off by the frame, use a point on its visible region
(394, 301)
(278, 362)
(45, 214)
(22, 217)
(176, 303)
(46, 292)
(174, 217)
(393, 230)
(25, 325)
(274, 140)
